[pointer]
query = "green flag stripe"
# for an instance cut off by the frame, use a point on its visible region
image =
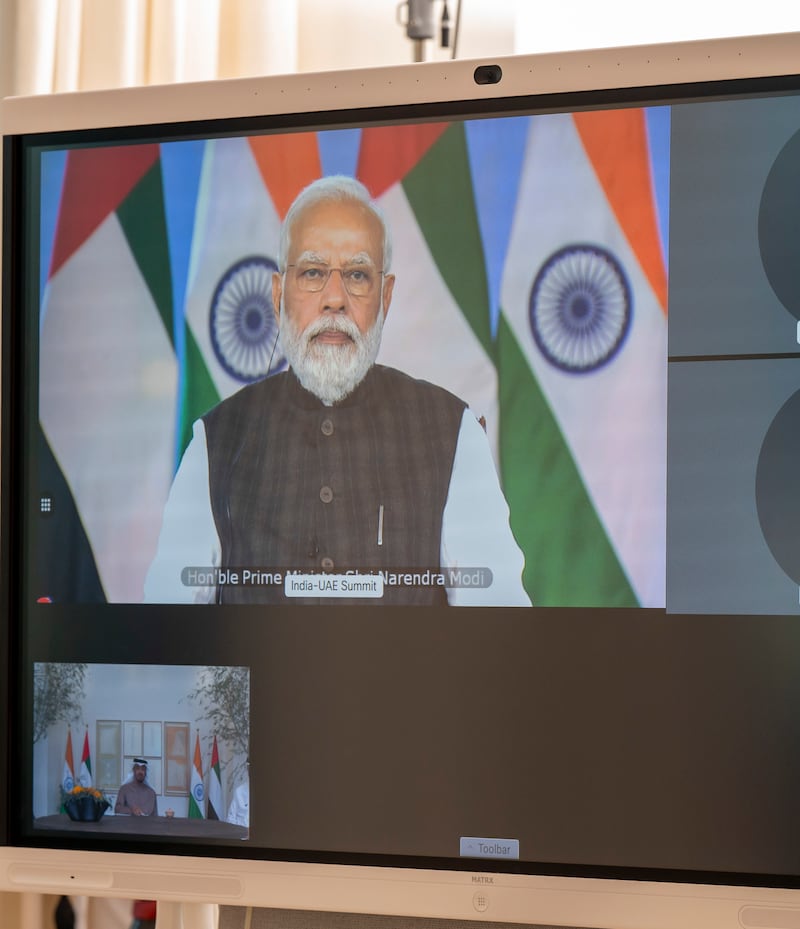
(439, 190)
(569, 560)
(143, 221)
(198, 392)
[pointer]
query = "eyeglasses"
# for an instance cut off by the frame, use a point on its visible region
(358, 280)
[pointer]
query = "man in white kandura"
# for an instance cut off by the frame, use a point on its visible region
(136, 797)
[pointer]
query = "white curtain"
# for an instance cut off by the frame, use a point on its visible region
(68, 45)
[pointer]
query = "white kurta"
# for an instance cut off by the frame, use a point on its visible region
(475, 527)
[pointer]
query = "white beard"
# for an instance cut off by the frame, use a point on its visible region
(330, 372)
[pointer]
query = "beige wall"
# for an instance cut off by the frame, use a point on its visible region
(588, 24)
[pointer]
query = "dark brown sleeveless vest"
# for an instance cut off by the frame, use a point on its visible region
(296, 485)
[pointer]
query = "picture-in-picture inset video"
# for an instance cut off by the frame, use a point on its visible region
(157, 750)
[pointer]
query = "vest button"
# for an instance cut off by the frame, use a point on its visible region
(326, 494)
(327, 427)
(326, 564)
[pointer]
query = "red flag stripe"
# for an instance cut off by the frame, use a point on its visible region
(96, 181)
(388, 153)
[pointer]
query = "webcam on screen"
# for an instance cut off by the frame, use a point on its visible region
(488, 74)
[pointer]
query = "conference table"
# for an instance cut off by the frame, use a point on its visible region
(163, 827)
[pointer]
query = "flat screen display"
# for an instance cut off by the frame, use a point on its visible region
(445, 516)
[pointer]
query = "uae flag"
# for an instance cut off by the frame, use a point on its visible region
(68, 774)
(581, 356)
(438, 326)
(108, 371)
(197, 794)
(85, 774)
(214, 785)
(246, 187)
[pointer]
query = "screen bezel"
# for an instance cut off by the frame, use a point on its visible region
(704, 69)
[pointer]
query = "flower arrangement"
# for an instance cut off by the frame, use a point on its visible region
(85, 804)
(80, 791)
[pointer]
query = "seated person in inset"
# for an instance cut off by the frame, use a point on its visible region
(136, 797)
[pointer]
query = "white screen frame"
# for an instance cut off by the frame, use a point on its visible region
(393, 891)
(637, 66)
(558, 901)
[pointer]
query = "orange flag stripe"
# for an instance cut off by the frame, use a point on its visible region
(197, 761)
(616, 144)
(68, 753)
(287, 164)
(96, 181)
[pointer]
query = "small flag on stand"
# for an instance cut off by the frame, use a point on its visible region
(214, 785)
(68, 776)
(197, 794)
(85, 775)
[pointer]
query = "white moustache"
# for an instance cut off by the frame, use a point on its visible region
(332, 324)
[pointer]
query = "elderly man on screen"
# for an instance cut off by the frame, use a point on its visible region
(136, 797)
(337, 465)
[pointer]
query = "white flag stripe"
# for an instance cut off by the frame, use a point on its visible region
(426, 334)
(613, 419)
(198, 794)
(109, 414)
(67, 778)
(235, 219)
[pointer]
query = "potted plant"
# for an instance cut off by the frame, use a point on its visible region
(223, 696)
(58, 694)
(85, 804)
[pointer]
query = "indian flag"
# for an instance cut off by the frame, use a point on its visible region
(68, 774)
(438, 325)
(215, 810)
(581, 354)
(246, 187)
(197, 794)
(108, 371)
